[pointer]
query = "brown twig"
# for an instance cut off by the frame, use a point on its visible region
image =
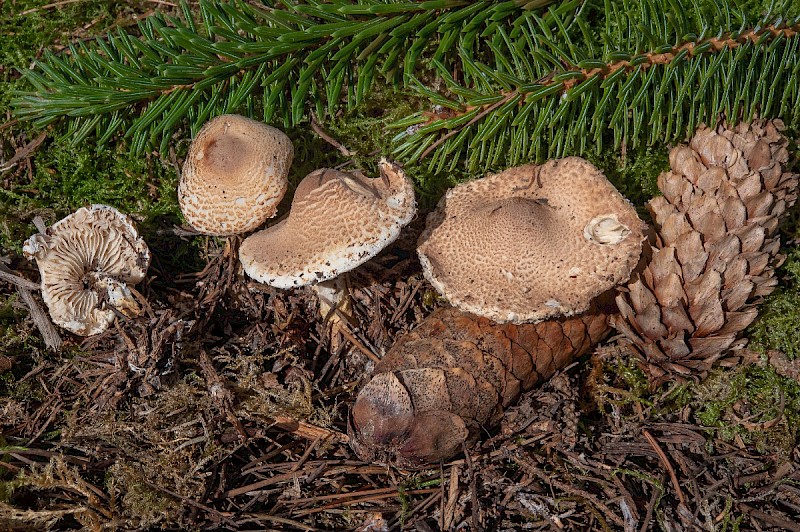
(48, 6)
(306, 454)
(7, 275)
(473, 491)
(308, 431)
(651, 506)
(772, 520)
(327, 138)
(344, 330)
(276, 519)
(370, 498)
(23, 152)
(217, 390)
(10, 123)
(664, 460)
(604, 510)
(42, 321)
(191, 502)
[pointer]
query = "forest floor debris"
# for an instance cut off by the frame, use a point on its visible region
(231, 413)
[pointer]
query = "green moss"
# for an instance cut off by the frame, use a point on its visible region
(754, 403)
(636, 174)
(758, 8)
(17, 338)
(363, 130)
(619, 385)
(66, 178)
(778, 325)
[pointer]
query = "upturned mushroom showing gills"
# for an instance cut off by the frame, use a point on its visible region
(531, 242)
(86, 261)
(337, 221)
(234, 176)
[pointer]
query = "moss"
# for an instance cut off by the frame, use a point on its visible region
(617, 384)
(778, 325)
(67, 178)
(64, 177)
(636, 174)
(758, 8)
(144, 506)
(753, 403)
(17, 338)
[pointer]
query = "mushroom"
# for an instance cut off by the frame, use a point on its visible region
(532, 242)
(526, 245)
(337, 221)
(86, 261)
(234, 175)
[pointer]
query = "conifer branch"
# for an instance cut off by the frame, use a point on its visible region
(281, 61)
(513, 82)
(655, 93)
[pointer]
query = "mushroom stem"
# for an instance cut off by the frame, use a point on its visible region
(335, 305)
(38, 222)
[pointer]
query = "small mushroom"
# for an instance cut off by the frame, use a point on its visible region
(86, 261)
(532, 242)
(337, 221)
(234, 175)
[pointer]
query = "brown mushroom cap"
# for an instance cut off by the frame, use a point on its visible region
(86, 262)
(532, 242)
(337, 222)
(234, 175)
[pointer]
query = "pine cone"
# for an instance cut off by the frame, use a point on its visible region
(716, 250)
(450, 378)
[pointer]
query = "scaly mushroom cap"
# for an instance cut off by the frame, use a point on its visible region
(86, 262)
(532, 242)
(337, 221)
(234, 175)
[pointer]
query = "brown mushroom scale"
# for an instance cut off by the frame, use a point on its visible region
(234, 176)
(86, 261)
(337, 221)
(531, 242)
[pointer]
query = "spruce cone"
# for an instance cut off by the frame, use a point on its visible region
(716, 251)
(452, 376)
